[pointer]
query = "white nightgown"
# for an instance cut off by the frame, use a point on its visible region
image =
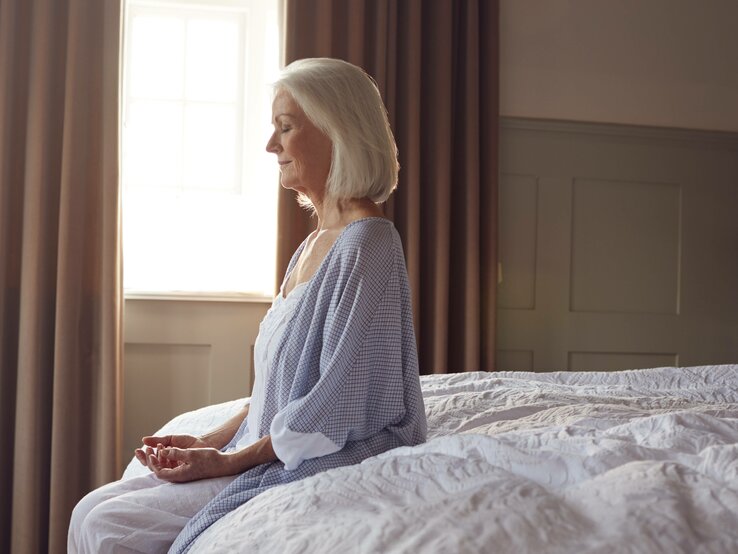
(290, 447)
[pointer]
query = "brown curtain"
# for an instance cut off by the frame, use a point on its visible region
(436, 64)
(60, 284)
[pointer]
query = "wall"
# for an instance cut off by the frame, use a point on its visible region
(664, 63)
(618, 246)
(618, 242)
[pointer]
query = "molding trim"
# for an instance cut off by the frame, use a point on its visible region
(722, 139)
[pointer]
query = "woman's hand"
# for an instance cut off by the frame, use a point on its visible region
(152, 444)
(217, 438)
(179, 465)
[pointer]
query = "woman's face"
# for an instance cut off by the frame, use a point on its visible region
(303, 151)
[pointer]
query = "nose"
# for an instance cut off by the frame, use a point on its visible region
(273, 146)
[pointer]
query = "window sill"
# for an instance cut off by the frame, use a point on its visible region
(199, 296)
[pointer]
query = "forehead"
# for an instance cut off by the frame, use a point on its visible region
(285, 104)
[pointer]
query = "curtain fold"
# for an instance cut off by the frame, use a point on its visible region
(60, 271)
(437, 66)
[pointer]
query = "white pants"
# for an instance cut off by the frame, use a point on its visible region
(142, 514)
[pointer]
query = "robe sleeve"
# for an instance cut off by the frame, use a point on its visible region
(360, 363)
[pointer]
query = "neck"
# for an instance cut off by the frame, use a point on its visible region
(337, 214)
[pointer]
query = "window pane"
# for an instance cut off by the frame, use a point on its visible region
(180, 243)
(210, 143)
(212, 60)
(152, 144)
(157, 57)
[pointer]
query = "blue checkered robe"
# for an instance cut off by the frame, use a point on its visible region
(346, 367)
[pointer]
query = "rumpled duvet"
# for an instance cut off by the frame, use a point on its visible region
(639, 461)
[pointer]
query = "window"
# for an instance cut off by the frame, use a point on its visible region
(199, 189)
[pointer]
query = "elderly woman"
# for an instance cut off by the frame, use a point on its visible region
(336, 362)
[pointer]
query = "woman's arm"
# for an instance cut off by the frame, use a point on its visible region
(220, 436)
(260, 452)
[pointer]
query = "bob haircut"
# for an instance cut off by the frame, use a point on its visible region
(344, 102)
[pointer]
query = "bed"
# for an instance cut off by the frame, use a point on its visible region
(628, 461)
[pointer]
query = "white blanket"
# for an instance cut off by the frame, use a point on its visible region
(633, 461)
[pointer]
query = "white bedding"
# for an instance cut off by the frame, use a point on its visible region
(632, 461)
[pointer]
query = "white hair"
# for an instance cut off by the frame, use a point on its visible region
(344, 102)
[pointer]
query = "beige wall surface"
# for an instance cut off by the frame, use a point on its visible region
(664, 63)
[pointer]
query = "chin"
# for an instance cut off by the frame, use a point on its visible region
(295, 187)
(287, 183)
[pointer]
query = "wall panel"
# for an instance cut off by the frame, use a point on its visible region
(619, 246)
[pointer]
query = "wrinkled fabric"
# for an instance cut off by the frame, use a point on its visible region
(346, 367)
(271, 330)
(639, 462)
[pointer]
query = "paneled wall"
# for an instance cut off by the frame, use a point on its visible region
(619, 247)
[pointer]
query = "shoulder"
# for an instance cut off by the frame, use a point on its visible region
(368, 235)
(368, 246)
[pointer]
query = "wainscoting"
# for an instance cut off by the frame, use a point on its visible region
(618, 245)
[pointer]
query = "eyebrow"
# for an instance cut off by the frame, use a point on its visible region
(284, 114)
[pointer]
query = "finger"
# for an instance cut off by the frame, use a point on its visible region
(176, 454)
(163, 460)
(145, 453)
(154, 440)
(153, 463)
(140, 456)
(180, 474)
